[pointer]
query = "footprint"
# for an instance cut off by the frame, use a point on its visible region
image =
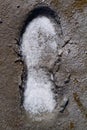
(39, 44)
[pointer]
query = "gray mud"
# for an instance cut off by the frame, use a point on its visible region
(73, 51)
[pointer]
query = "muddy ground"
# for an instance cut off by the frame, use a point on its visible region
(73, 17)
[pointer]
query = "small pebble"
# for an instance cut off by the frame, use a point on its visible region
(65, 100)
(63, 104)
(18, 6)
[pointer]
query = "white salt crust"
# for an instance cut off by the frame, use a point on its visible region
(39, 48)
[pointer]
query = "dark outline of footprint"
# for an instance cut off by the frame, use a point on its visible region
(40, 10)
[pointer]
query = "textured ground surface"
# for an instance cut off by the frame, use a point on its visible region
(73, 16)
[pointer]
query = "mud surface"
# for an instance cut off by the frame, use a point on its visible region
(73, 50)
